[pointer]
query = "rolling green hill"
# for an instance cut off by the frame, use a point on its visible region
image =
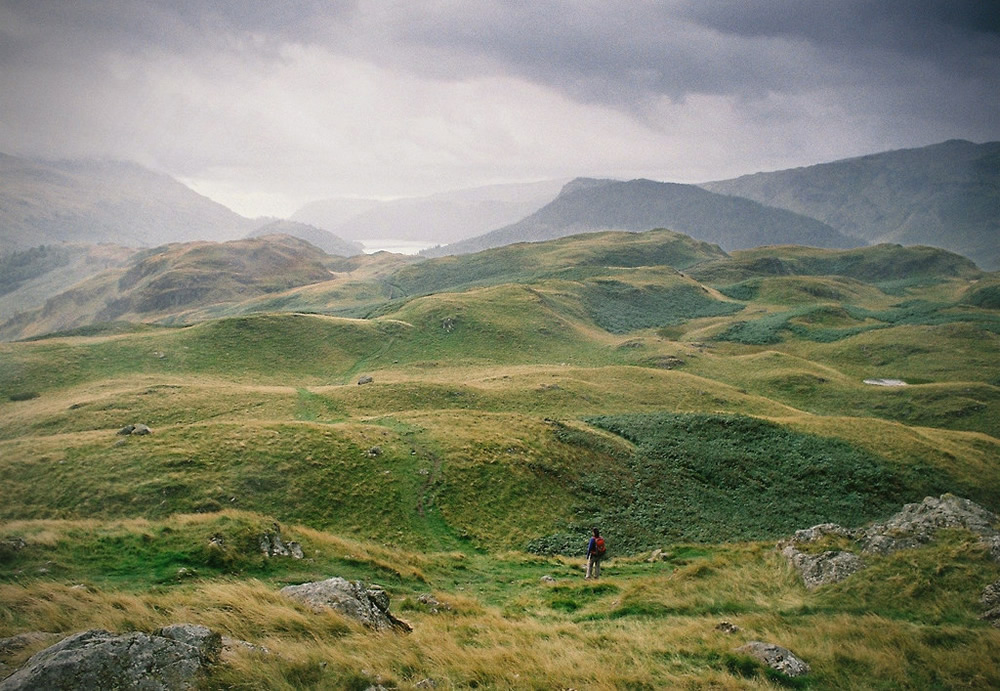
(456, 438)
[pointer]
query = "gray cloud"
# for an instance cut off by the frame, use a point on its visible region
(269, 104)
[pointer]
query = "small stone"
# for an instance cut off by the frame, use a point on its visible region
(774, 656)
(365, 379)
(727, 627)
(141, 429)
(547, 579)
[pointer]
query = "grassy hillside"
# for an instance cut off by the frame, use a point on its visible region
(640, 382)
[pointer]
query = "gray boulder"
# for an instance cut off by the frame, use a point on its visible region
(825, 568)
(171, 658)
(365, 379)
(368, 604)
(775, 657)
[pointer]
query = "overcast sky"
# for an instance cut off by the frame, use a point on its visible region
(266, 105)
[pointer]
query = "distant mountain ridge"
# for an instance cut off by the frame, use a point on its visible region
(588, 205)
(439, 218)
(946, 195)
(104, 202)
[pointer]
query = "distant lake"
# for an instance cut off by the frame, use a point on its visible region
(397, 246)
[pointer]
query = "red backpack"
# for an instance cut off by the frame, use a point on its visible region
(599, 546)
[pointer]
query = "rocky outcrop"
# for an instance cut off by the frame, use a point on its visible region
(825, 568)
(171, 658)
(368, 604)
(774, 656)
(914, 526)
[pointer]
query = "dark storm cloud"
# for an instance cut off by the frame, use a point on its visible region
(609, 51)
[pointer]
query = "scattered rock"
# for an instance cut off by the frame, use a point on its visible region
(138, 429)
(885, 382)
(12, 544)
(547, 579)
(374, 452)
(433, 604)
(272, 545)
(727, 627)
(168, 659)
(425, 684)
(368, 604)
(230, 646)
(820, 531)
(365, 379)
(774, 656)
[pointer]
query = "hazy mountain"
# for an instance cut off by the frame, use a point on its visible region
(439, 218)
(29, 277)
(174, 278)
(589, 205)
(324, 239)
(43, 203)
(946, 195)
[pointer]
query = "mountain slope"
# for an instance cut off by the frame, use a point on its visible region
(103, 201)
(946, 195)
(587, 205)
(439, 218)
(171, 279)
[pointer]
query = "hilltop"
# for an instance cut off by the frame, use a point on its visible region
(586, 205)
(946, 195)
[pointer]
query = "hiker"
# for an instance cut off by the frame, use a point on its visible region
(595, 553)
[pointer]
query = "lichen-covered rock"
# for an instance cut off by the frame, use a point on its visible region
(825, 568)
(916, 524)
(820, 531)
(368, 604)
(99, 659)
(775, 657)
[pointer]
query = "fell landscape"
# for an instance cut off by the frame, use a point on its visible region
(556, 345)
(699, 406)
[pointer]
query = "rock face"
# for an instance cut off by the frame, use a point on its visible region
(168, 659)
(368, 604)
(775, 657)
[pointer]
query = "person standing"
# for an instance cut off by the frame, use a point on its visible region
(595, 553)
